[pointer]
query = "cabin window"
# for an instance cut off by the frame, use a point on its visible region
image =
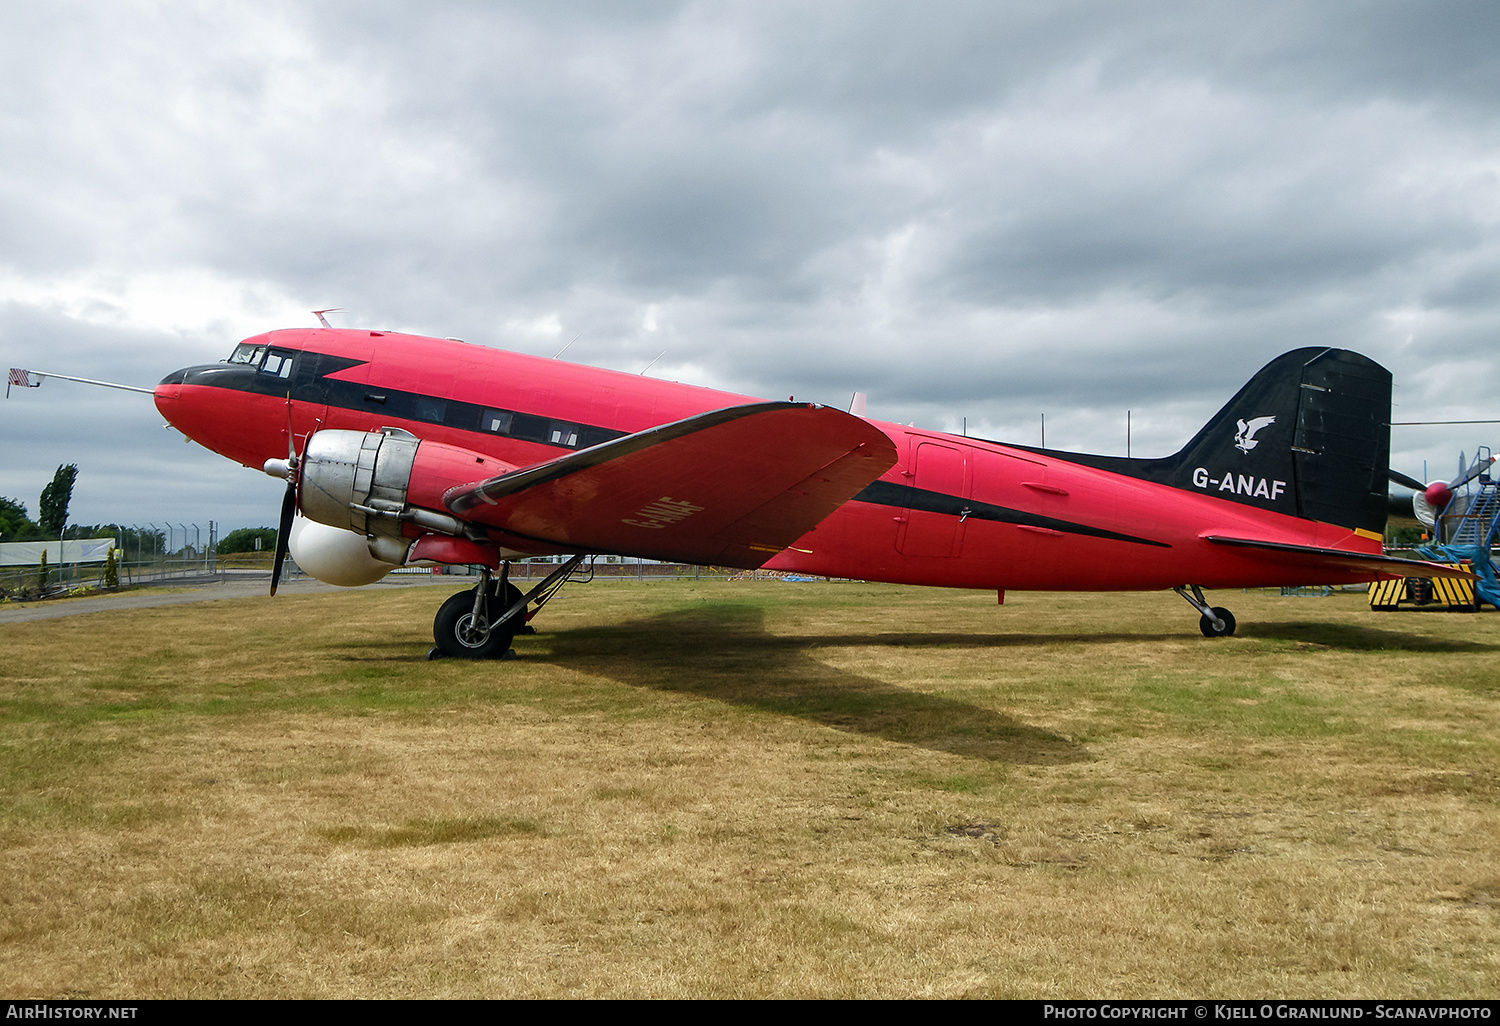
(589, 436)
(496, 422)
(278, 363)
(528, 428)
(563, 434)
(430, 409)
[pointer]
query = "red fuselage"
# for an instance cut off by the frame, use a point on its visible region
(953, 511)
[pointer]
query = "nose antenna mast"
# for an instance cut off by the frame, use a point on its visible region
(324, 320)
(33, 379)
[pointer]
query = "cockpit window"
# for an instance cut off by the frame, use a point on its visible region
(278, 363)
(247, 353)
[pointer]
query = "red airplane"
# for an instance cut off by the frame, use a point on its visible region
(401, 449)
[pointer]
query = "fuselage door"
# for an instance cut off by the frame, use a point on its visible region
(934, 524)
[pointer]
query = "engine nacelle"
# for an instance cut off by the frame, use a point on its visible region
(385, 486)
(334, 556)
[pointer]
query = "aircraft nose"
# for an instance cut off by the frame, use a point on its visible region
(170, 387)
(167, 395)
(169, 391)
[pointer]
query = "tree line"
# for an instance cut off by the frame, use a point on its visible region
(52, 511)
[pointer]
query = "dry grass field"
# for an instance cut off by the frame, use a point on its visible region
(753, 789)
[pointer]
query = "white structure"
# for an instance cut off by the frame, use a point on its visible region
(75, 550)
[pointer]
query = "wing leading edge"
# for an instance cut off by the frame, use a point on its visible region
(732, 487)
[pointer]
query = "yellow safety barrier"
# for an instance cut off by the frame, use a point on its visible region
(1455, 593)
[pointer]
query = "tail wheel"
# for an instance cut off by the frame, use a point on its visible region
(1210, 630)
(461, 635)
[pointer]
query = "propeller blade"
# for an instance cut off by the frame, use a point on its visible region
(291, 449)
(1406, 482)
(284, 531)
(1479, 467)
(288, 470)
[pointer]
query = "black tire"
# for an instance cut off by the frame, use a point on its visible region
(1206, 624)
(457, 635)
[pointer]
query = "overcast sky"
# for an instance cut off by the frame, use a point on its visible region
(990, 211)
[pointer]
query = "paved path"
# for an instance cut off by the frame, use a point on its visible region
(20, 612)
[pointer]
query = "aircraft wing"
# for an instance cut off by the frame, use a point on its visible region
(732, 487)
(1312, 558)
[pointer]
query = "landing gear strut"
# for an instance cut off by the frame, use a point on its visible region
(482, 622)
(1216, 621)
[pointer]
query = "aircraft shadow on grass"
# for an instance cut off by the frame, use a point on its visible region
(1359, 638)
(726, 654)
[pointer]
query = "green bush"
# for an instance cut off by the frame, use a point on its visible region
(243, 540)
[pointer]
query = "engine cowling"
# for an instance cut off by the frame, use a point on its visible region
(386, 487)
(1424, 509)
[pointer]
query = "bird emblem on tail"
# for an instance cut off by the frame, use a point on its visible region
(1244, 439)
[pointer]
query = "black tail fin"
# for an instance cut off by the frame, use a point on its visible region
(1308, 436)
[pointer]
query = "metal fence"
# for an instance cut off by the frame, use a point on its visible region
(168, 552)
(145, 553)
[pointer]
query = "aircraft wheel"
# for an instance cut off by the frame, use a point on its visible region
(459, 635)
(1206, 624)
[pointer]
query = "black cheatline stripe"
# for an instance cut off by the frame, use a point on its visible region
(885, 493)
(392, 403)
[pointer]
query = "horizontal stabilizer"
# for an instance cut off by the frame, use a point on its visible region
(732, 487)
(1314, 559)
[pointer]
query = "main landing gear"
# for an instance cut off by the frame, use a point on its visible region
(481, 623)
(1216, 621)
(473, 624)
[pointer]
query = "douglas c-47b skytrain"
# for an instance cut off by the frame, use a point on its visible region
(400, 449)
